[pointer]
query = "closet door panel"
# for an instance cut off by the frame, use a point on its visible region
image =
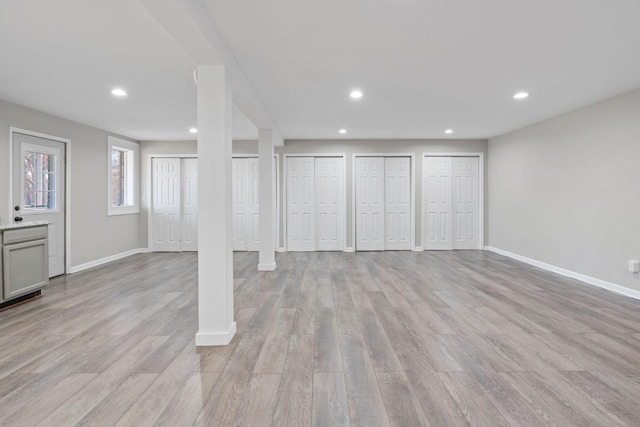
(437, 203)
(329, 181)
(301, 210)
(165, 217)
(398, 203)
(240, 203)
(370, 205)
(189, 184)
(466, 203)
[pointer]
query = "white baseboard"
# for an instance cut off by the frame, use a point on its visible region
(267, 267)
(622, 290)
(105, 260)
(349, 249)
(281, 249)
(417, 249)
(215, 338)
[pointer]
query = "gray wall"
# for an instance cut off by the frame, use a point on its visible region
(94, 235)
(565, 191)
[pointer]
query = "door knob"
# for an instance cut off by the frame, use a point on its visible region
(17, 219)
(16, 208)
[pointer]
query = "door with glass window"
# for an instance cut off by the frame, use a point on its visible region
(38, 168)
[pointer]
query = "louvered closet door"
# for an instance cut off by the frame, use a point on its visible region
(166, 227)
(370, 233)
(329, 203)
(397, 203)
(465, 203)
(437, 182)
(301, 209)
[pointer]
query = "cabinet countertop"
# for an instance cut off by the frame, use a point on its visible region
(23, 225)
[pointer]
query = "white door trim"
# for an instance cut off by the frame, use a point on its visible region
(480, 156)
(284, 191)
(413, 193)
(67, 183)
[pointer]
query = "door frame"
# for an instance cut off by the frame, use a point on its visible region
(480, 156)
(67, 184)
(284, 192)
(412, 219)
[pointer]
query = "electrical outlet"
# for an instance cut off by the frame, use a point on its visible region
(634, 266)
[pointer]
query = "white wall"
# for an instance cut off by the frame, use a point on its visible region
(94, 235)
(566, 191)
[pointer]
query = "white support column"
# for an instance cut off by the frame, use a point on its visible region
(267, 260)
(216, 325)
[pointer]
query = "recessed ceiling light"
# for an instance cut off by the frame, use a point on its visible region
(118, 92)
(520, 95)
(193, 130)
(448, 131)
(342, 131)
(356, 94)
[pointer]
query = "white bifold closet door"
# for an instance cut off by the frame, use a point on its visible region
(246, 204)
(451, 203)
(329, 203)
(397, 191)
(174, 205)
(383, 203)
(315, 204)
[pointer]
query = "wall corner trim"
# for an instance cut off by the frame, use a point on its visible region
(215, 338)
(621, 290)
(91, 264)
(417, 249)
(280, 249)
(349, 249)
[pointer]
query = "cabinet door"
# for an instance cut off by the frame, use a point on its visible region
(26, 267)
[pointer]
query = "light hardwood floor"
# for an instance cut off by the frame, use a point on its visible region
(328, 339)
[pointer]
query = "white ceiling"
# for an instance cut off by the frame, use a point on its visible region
(423, 65)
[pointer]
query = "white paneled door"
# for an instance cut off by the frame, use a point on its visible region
(370, 235)
(301, 204)
(315, 203)
(174, 205)
(246, 203)
(437, 184)
(245, 178)
(189, 180)
(383, 203)
(397, 203)
(466, 234)
(451, 203)
(39, 190)
(329, 203)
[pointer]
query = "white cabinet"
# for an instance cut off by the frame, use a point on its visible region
(25, 260)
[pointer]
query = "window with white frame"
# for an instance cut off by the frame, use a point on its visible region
(122, 161)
